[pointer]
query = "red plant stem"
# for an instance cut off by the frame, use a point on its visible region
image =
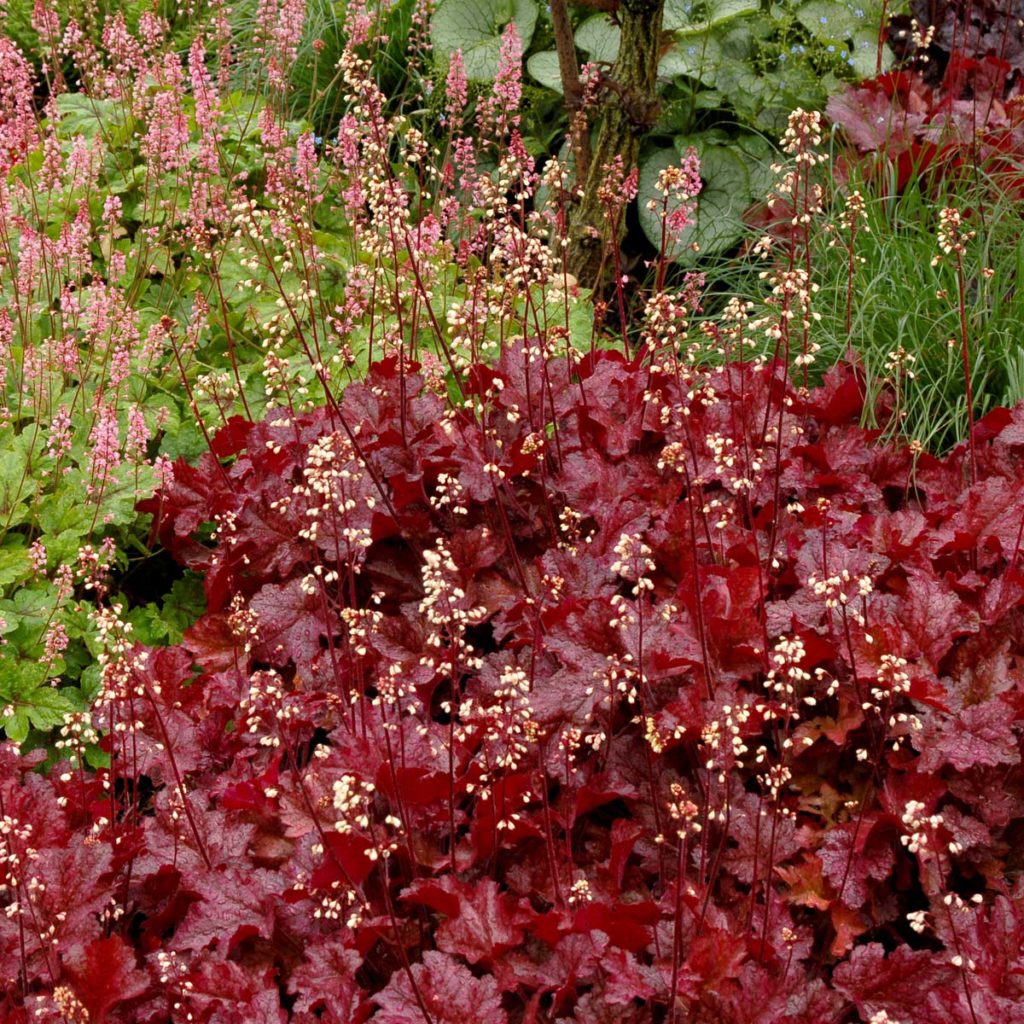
(179, 782)
(549, 834)
(767, 881)
(719, 851)
(677, 921)
(168, 324)
(230, 338)
(620, 294)
(23, 973)
(697, 596)
(960, 956)
(453, 699)
(882, 26)
(965, 356)
(652, 775)
(328, 849)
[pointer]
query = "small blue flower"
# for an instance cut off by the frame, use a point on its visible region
(823, 20)
(691, 51)
(858, 13)
(830, 48)
(318, 140)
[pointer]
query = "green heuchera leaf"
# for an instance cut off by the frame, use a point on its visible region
(32, 703)
(118, 496)
(13, 560)
(83, 115)
(182, 436)
(15, 488)
(183, 605)
(475, 27)
(26, 613)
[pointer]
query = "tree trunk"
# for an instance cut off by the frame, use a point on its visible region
(572, 89)
(629, 112)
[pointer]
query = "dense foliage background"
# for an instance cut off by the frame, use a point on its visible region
(405, 619)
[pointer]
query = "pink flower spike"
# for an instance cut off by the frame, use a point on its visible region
(456, 88)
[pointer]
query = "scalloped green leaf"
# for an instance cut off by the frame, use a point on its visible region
(25, 614)
(15, 489)
(85, 115)
(14, 560)
(32, 702)
(475, 27)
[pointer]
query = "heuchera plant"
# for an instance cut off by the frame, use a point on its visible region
(572, 684)
(172, 252)
(613, 691)
(955, 107)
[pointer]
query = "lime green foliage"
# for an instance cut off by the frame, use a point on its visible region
(115, 346)
(168, 294)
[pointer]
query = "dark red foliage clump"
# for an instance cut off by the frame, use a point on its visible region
(616, 694)
(953, 107)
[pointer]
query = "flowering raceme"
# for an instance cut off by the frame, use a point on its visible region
(530, 679)
(565, 702)
(18, 129)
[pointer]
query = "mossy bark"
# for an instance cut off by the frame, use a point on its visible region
(630, 109)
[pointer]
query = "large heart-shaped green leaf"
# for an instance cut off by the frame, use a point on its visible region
(475, 27)
(718, 218)
(695, 54)
(32, 702)
(599, 38)
(544, 67)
